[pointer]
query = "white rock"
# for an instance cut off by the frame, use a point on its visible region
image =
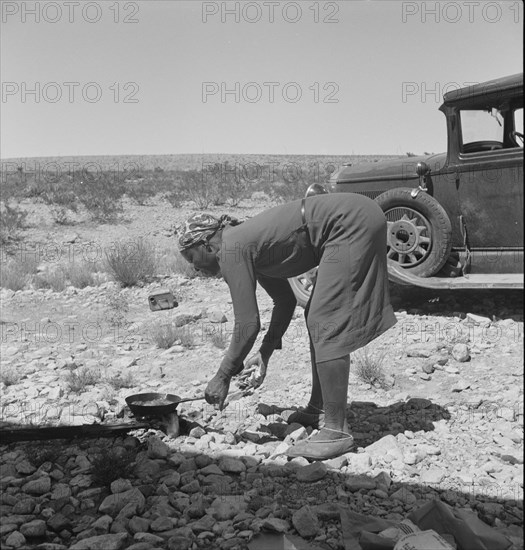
(420, 350)
(386, 446)
(113, 504)
(478, 319)
(216, 316)
(460, 385)
(38, 486)
(403, 495)
(157, 448)
(460, 352)
(231, 465)
(305, 522)
(123, 363)
(451, 369)
(120, 486)
(226, 507)
(432, 476)
(15, 540)
(102, 542)
(358, 463)
(34, 528)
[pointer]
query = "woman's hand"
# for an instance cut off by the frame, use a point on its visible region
(255, 370)
(217, 390)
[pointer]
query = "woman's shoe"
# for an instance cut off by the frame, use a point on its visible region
(322, 449)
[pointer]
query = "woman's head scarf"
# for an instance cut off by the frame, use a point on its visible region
(200, 228)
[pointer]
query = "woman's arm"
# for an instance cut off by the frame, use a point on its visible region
(241, 280)
(239, 274)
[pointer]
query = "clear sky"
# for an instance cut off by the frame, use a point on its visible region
(159, 77)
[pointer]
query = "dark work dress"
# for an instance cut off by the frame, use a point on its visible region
(345, 235)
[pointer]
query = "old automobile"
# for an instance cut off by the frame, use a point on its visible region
(455, 219)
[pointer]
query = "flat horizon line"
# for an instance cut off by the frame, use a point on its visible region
(208, 154)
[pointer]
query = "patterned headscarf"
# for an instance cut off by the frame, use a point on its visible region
(200, 228)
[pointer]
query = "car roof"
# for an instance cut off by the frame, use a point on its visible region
(486, 89)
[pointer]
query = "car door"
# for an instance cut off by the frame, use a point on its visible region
(490, 193)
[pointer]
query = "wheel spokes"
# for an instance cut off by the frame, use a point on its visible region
(409, 236)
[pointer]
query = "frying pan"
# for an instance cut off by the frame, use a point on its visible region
(156, 410)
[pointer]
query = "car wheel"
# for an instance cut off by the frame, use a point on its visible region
(419, 232)
(302, 286)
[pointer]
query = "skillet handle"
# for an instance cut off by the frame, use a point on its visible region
(186, 399)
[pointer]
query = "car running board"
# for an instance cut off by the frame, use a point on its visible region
(401, 276)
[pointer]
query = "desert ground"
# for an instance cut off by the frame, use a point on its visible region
(435, 404)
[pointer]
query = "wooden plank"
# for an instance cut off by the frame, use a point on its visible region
(401, 276)
(68, 432)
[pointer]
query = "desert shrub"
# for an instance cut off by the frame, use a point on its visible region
(233, 191)
(35, 190)
(195, 186)
(39, 453)
(12, 221)
(120, 381)
(226, 184)
(175, 197)
(233, 185)
(286, 191)
(117, 310)
(81, 275)
(171, 262)
(102, 208)
(9, 376)
(185, 337)
(54, 279)
(60, 215)
(13, 183)
(219, 340)
(101, 195)
(164, 335)
(110, 464)
(140, 191)
(12, 277)
(61, 197)
(16, 272)
(77, 381)
(131, 262)
(110, 394)
(369, 367)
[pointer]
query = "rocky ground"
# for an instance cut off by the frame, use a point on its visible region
(443, 418)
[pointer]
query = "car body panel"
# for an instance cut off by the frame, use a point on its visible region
(479, 184)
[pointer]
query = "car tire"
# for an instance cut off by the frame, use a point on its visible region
(419, 232)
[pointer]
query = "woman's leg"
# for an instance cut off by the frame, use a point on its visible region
(315, 404)
(333, 378)
(333, 439)
(311, 414)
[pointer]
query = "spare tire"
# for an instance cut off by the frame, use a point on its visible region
(419, 232)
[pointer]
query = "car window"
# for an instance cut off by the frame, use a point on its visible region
(481, 130)
(518, 126)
